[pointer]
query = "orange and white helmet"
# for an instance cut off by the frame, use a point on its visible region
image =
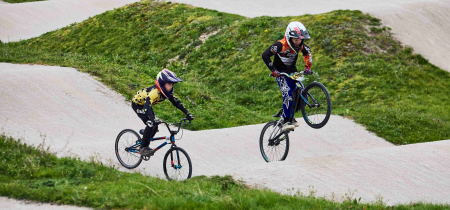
(296, 30)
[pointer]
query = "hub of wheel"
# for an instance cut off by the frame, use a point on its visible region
(277, 142)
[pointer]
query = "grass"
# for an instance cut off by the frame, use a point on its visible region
(371, 77)
(35, 174)
(20, 1)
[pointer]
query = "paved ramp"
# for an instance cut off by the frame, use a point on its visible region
(32, 19)
(8, 203)
(78, 116)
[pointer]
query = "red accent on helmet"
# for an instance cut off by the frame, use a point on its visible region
(298, 30)
(159, 88)
(163, 77)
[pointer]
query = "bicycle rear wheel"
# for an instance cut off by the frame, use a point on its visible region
(273, 149)
(317, 110)
(177, 164)
(127, 148)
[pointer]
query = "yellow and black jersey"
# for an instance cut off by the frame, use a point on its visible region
(152, 93)
(151, 96)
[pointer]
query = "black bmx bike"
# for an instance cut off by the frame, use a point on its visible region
(315, 104)
(176, 164)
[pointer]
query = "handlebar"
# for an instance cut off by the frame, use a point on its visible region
(285, 74)
(157, 122)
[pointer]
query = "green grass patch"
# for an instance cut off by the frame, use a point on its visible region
(371, 77)
(35, 174)
(20, 1)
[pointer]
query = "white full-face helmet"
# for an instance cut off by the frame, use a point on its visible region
(296, 30)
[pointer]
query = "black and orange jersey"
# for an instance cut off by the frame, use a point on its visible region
(151, 96)
(285, 57)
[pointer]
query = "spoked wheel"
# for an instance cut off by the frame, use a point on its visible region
(177, 164)
(273, 149)
(127, 148)
(317, 110)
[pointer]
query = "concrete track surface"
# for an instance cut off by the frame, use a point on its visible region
(32, 19)
(78, 116)
(8, 203)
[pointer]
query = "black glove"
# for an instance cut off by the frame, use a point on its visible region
(307, 71)
(189, 116)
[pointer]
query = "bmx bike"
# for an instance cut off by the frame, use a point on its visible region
(176, 164)
(315, 104)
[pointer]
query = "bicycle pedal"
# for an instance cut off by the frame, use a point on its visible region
(145, 157)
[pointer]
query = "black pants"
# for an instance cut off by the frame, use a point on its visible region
(148, 132)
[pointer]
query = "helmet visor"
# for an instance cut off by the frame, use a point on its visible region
(300, 34)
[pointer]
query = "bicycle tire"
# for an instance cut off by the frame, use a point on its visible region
(177, 163)
(125, 139)
(276, 150)
(318, 114)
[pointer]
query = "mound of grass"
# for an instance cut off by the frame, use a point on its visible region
(34, 174)
(371, 77)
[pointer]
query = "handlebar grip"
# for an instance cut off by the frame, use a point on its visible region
(270, 75)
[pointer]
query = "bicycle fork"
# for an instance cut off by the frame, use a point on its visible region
(275, 140)
(308, 95)
(178, 160)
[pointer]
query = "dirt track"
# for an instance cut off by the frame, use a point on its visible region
(82, 117)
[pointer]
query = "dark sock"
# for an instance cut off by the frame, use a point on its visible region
(146, 137)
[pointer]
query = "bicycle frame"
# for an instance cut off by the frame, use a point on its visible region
(170, 139)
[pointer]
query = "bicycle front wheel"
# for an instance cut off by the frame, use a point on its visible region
(127, 148)
(177, 164)
(315, 104)
(273, 149)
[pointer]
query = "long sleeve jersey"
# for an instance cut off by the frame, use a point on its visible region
(151, 96)
(285, 57)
